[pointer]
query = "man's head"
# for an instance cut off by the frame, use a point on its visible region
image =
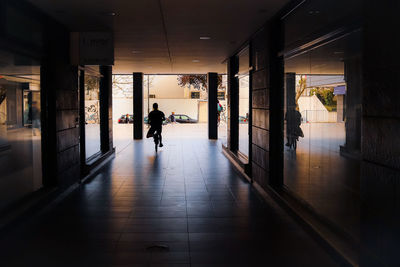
(155, 106)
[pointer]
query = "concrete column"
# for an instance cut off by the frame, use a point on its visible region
(353, 77)
(212, 85)
(82, 122)
(137, 105)
(106, 108)
(340, 108)
(233, 104)
(290, 82)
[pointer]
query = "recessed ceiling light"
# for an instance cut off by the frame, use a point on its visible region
(205, 37)
(136, 52)
(195, 60)
(109, 13)
(313, 12)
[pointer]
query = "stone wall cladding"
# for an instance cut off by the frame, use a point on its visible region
(260, 109)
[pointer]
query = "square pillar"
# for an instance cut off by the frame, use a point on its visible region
(212, 85)
(137, 105)
(233, 104)
(106, 109)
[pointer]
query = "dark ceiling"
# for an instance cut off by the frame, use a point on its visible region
(163, 36)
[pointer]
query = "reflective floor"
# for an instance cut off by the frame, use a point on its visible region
(185, 206)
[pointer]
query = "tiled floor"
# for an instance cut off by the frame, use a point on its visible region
(187, 198)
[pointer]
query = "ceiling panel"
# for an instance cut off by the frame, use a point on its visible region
(163, 36)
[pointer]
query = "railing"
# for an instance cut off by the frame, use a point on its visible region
(318, 116)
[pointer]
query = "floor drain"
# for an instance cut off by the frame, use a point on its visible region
(158, 247)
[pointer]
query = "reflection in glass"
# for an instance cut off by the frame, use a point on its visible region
(222, 98)
(92, 114)
(321, 137)
(122, 110)
(244, 93)
(20, 128)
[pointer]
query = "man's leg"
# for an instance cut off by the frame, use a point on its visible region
(159, 135)
(150, 132)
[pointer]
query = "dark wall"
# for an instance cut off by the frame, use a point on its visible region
(380, 175)
(260, 108)
(26, 31)
(59, 84)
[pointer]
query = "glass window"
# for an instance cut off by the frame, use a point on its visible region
(223, 115)
(322, 130)
(195, 95)
(92, 112)
(244, 92)
(122, 104)
(20, 128)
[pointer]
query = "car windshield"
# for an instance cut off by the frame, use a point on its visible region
(184, 117)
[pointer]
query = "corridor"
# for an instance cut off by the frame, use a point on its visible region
(185, 206)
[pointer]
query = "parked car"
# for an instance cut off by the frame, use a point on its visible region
(182, 118)
(127, 118)
(243, 119)
(146, 120)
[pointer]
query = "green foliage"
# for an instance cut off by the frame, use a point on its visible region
(326, 96)
(198, 81)
(91, 83)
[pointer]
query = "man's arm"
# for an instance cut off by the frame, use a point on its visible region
(162, 116)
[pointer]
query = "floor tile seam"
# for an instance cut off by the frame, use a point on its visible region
(187, 218)
(115, 249)
(201, 171)
(119, 188)
(233, 196)
(165, 178)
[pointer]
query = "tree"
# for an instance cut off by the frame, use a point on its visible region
(92, 87)
(326, 96)
(302, 88)
(122, 85)
(198, 81)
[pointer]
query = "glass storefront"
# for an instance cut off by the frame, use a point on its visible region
(223, 100)
(20, 128)
(323, 130)
(92, 112)
(244, 93)
(122, 110)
